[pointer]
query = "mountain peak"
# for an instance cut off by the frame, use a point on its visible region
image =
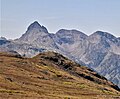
(105, 34)
(34, 31)
(36, 25)
(69, 31)
(70, 36)
(103, 37)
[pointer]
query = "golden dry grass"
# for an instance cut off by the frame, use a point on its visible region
(43, 78)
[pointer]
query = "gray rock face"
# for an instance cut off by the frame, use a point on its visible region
(69, 41)
(38, 36)
(103, 55)
(99, 51)
(36, 25)
(110, 68)
(23, 49)
(34, 31)
(3, 41)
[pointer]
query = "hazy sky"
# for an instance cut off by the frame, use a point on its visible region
(87, 16)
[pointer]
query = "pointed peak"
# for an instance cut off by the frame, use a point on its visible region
(36, 25)
(35, 22)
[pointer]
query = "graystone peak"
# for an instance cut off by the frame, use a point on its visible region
(105, 34)
(36, 25)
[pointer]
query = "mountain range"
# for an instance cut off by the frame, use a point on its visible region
(99, 51)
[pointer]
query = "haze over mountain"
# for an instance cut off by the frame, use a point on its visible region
(99, 51)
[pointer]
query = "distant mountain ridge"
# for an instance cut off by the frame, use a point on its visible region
(99, 51)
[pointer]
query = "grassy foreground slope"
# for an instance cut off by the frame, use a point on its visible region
(50, 75)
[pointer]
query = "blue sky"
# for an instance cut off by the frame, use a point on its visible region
(87, 16)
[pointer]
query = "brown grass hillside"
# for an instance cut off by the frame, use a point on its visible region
(50, 75)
